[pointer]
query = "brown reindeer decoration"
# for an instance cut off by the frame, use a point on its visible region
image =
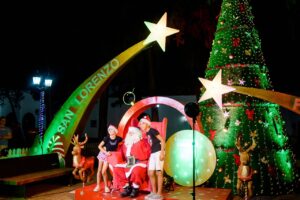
(245, 172)
(84, 166)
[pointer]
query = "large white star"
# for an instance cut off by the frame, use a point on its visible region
(159, 32)
(215, 89)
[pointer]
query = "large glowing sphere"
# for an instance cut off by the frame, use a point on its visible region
(179, 158)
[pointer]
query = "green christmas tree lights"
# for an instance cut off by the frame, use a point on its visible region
(237, 51)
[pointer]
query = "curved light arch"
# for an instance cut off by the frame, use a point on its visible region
(285, 100)
(215, 89)
(142, 105)
(74, 111)
(66, 121)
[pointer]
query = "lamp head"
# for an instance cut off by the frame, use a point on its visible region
(191, 109)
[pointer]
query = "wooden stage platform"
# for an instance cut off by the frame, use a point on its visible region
(179, 193)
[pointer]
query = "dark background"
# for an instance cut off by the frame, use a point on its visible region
(70, 41)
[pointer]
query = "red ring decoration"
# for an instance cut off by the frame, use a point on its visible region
(142, 105)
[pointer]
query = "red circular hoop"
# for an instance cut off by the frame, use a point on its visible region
(142, 105)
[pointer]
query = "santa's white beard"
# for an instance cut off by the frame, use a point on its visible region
(132, 138)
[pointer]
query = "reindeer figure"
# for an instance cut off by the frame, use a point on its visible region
(83, 165)
(245, 172)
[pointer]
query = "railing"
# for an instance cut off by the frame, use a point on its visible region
(16, 152)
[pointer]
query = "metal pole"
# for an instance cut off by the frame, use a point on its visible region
(42, 117)
(194, 190)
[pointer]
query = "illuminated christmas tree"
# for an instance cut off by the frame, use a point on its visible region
(245, 124)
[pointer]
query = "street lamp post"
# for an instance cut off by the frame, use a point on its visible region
(42, 84)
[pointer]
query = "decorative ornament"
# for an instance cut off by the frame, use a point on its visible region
(256, 81)
(241, 82)
(215, 89)
(242, 7)
(237, 122)
(209, 119)
(226, 114)
(212, 134)
(179, 165)
(264, 160)
(253, 134)
(220, 169)
(250, 114)
(159, 32)
(266, 124)
(285, 100)
(248, 52)
(227, 179)
(231, 56)
(227, 4)
(236, 42)
(83, 165)
(56, 145)
(129, 98)
(224, 50)
(83, 104)
(244, 171)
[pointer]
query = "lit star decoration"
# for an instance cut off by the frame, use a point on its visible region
(253, 133)
(266, 124)
(237, 122)
(209, 119)
(159, 32)
(226, 114)
(215, 89)
(227, 179)
(241, 81)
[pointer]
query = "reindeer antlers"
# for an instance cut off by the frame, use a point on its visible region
(76, 142)
(238, 143)
(240, 148)
(85, 140)
(253, 145)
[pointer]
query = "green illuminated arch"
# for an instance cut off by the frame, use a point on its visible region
(67, 120)
(74, 111)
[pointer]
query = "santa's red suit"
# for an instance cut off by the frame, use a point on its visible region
(136, 174)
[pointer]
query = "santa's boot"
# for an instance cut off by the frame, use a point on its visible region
(126, 191)
(134, 192)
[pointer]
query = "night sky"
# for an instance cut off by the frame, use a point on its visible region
(71, 41)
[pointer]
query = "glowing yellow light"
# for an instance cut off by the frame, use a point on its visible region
(215, 89)
(159, 32)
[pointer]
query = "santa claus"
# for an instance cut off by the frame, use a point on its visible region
(131, 173)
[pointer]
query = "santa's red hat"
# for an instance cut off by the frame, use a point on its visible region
(146, 119)
(134, 122)
(113, 128)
